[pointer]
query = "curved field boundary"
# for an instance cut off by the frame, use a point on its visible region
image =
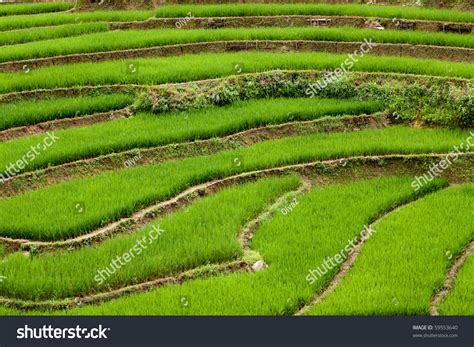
(245, 234)
(392, 49)
(450, 279)
(70, 92)
(347, 264)
(28, 130)
(296, 20)
(347, 168)
(201, 85)
(405, 284)
(93, 166)
(138, 219)
(237, 8)
(200, 272)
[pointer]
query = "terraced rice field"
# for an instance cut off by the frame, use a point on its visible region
(244, 159)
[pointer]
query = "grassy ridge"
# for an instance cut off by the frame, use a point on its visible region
(403, 284)
(18, 9)
(148, 130)
(228, 10)
(326, 218)
(28, 35)
(40, 20)
(203, 66)
(462, 293)
(128, 39)
(50, 213)
(205, 232)
(32, 112)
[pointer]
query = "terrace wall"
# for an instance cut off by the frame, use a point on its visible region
(466, 4)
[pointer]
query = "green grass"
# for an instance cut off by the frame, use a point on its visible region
(233, 10)
(205, 66)
(149, 130)
(206, 232)
(460, 301)
(28, 35)
(326, 219)
(18, 9)
(391, 275)
(51, 19)
(115, 194)
(129, 39)
(27, 112)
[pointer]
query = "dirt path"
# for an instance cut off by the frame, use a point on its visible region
(29, 130)
(449, 53)
(295, 20)
(154, 155)
(70, 303)
(450, 279)
(324, 170)
(204, 271)
(349, 262)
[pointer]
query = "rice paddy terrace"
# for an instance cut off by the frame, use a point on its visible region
(243, 159)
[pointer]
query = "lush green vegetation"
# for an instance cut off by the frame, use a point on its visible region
(391, 276)
(204, 66)
(148, 130)
(111, 195)
(459, 301)
(206, 232)
(326, 218)
(171, 109)
(51, 19)
(117, 40)
(28, 35)
(17, 9)
(28, 112)
(233, 10)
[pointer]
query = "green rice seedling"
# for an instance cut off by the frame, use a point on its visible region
(35, 111)
(318, 227)
(238, 10)
(391, 276)
(204, 66)
(51, 19)
(27, 35)
(18, 9)
(112, 195)
(206, 232)
(148, 130)
(460, 301)
(129, 39)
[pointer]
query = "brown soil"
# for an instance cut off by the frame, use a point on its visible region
(200, 272)
(29, 130)
(392, 49)
(346, 266)
(88, 167)
(448, 284)
(322, 172)
(69, 91)
(294, 20)
(362, 77)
